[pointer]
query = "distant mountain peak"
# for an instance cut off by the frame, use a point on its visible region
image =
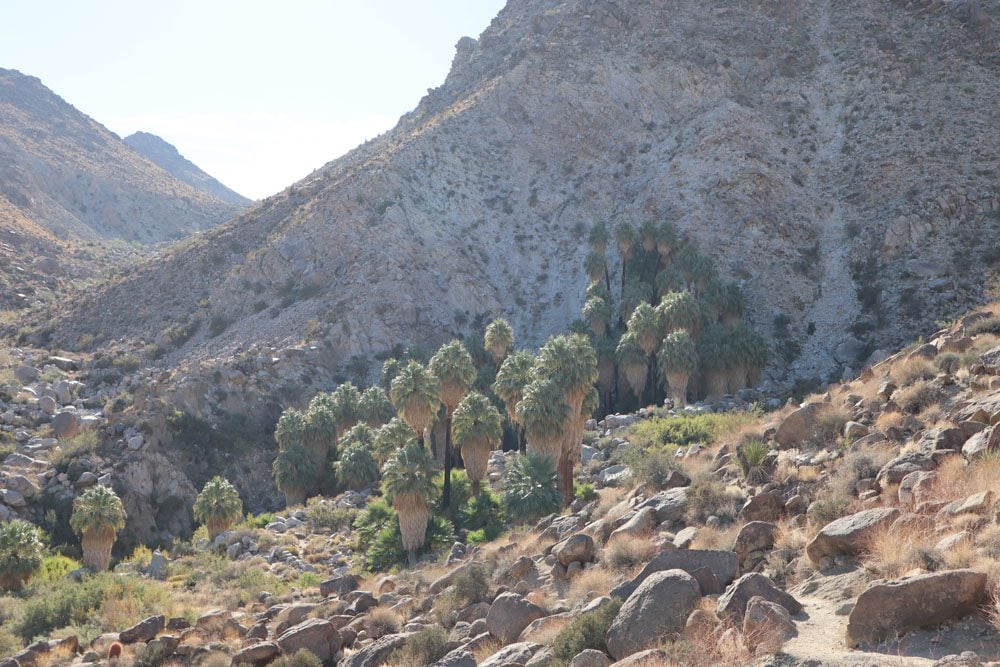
(165, 155)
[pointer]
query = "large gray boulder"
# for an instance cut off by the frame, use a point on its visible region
(515, 654)
(895, 470)
(658, 607)
(847, 535)
(143, 631)
(723, 564)
(891, 607)
(733, 603)
(670, 505)
(800, 426)
(982, 443)
(766, 625)
(317, 635)
(578, 548)
(509, 615)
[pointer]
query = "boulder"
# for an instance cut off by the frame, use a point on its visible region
(641, 523)
(733, 603)
(895, 470)
(341, 585)
(317, 635)
(65, 425)
(723, 564)
(916, 487)
(766, 625)
(659, 607)
(890, 607)
(755, 536)
(257, 655)
(457, 658)
(445, 580)
(847, 535)
(654, 657)
(670, 505)
(515, 654)
(590, 658)
(578, 548)
(143, 631)
(509, 615)
(982, 443)
(767, 506)
(800, 426)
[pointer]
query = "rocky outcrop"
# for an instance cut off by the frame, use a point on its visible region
(658, 607)
(846, 536)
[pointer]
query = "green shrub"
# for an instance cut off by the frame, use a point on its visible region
(84, 443)
(257, 521)
(753, 457)
(152, 655)
(823, 511)
(987, 326)
(484, 514)
(651, 466)
(302, 658)
(585, 492)
(385, 550)
(424, 647)
(531, 489)
(707, 496)
(588, 631)
(688, 429)
(56, 567)
(948, 362)
(21, 553)
(327, 516)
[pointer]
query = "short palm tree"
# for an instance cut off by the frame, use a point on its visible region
(516, 372)
(408, 482)
(634, 292)
(344, 405)
(498, 339)
(359, 434)
(98, 515)
(646, 324)
(543, 411)
(648, 232)
(294, 473)
(21, 553)
(666, 238)
(632, 361)
(374, 407)
(598, 238)
(696, 268)
(599, 290)
(477, 432)
(715, 358)
(594, 266)
(680, 310)
(733, 304)
(414, 392)
(669, 280)
(598, 313)
(390, 369)
(626, 239)
(291, 428)
(455, 370)
(531, 488)
(678, 361)
(218, 506)
(394, 435)
(321, 432)
(357, 467)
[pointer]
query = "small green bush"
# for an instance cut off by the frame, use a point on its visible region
(424, 647)
(484, 514)
(258, 521)
(987, 326)
(588, 631)
(327, 516)
(585, 492)
(823, 511)
(386, 551)
(650, 466)
(152, 655)
(688, 429)
(531, 489)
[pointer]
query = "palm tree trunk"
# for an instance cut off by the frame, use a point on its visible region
(446, 495)
(97, 549)
(522, 439)
(650, 379)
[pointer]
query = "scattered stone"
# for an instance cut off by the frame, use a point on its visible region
(723, 564)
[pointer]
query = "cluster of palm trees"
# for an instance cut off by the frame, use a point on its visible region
(673, 316)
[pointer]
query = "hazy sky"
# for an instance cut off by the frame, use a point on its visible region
(257, 93)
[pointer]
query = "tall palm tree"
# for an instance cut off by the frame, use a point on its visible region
(634, 292)
(543, 411)
(21, 553)
(666, 239)
(648, 233)
(393, 435)
(414, 392)
(715, 358)
(477, 432)
(390, 369)
(294, 473)
(374, 407)
(455, 370)
(678, 360)
(598, 314)
(646, 324)
(632, 361)
(291, 428)
(408, 482)
(98, 515)
(733, 304)
(498, 338)
(669, 280)
(604, 346)
(344, 404)
(680, 310)
(598, 238)
(594, 266)
(320, 436)
(357, 468)
(515, 373)
(572, 362)
(218, 506)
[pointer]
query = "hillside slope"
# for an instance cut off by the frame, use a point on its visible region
(165, 155)
(841, 160)
(71, 176)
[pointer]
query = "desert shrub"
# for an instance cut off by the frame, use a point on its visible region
(21, 553)
(688, 429)
(531, 489)
(987, 326)
(912, 370)
(257, 521)
(381, 622)
(218, 324)
(152, 655)
(708, 496)
(326, 516)
(585, 492)
(56, 567)
(9, 643)
(916, 397)
(301, 658)
(424, 647)
(587, 631)
(628, 551)
(482, 514)
(386, 550)
(948, 362)
(753, 457)
(651, 466)
(84, 443)
(127, 363)
(829, 427)
(471, 586)
(825, 510)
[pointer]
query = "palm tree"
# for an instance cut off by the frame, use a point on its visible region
(359, 434)
(594, 266)
(598, 313)
(648, 233)
(531, 488)
(390, 369)
(291, 428)
(98, 515)
(632, 361)
(218, 506)
(394, 435)
(477, 432)
(498, 338)
(515, 373)
(408, 482)
(715, 357)
(542, 411)
(733, 304)
(344, 405)
(666, 239)
(625, 238)
(374, 407)
(634, 292)
(456, 372)
(599, 291)
(678, 360)
(572, 362)
(357, 468)
(598, 238)
(667, 281)
(646, 324)
(320, 436)
(680, 310)
(21, 553)
(294, 473)
(414, 392)
(604, 346)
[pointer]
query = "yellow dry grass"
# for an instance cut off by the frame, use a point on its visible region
(715, 538)
(591, 583)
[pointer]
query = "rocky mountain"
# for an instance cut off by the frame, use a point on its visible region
(839, 159)
(73, 178)
(165, 155)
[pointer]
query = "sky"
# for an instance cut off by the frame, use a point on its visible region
(257, 93)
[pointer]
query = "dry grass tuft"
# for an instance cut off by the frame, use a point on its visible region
(591, 583)
(912, 370)
(626, 552)
(917, 397)
(381, 622)
(716, 538)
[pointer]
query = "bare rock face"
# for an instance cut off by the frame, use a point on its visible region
(658, 607)
(847, 535)
(798, 427)
(888, 608)
(509, 615)
(722, 564)
(316, 635)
